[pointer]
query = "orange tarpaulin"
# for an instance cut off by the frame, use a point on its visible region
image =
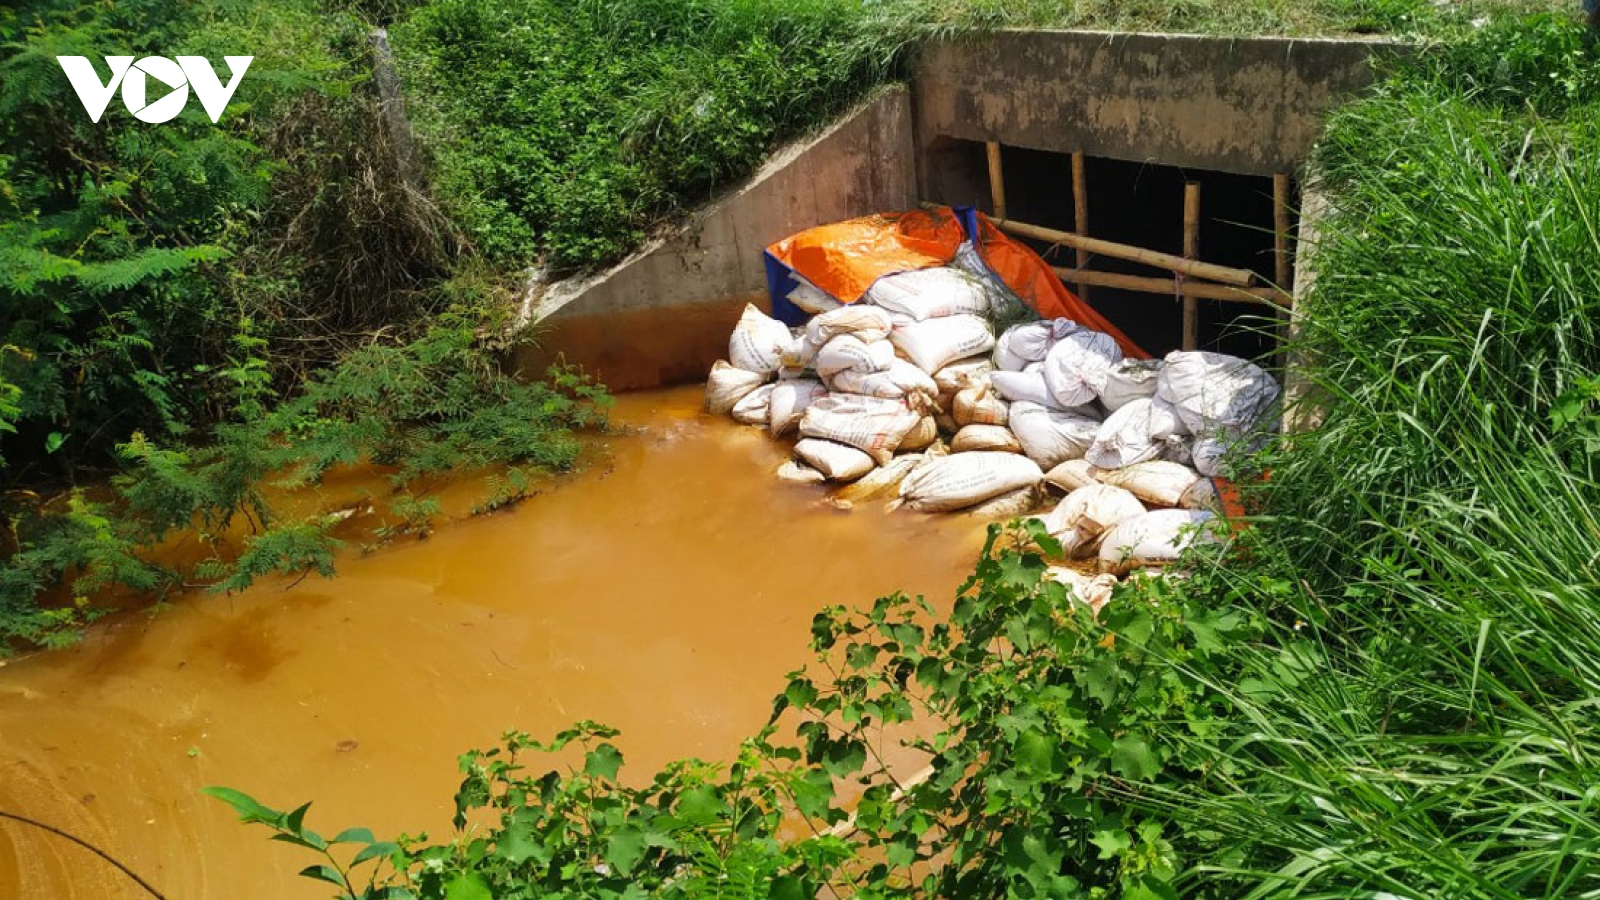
(845, 258)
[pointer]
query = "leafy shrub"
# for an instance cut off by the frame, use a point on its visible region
(567, 131)
(432, 405)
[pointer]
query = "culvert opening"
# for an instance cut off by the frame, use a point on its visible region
(1139, 205)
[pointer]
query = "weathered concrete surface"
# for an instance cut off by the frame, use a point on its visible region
(1253, 106)
(663, 315)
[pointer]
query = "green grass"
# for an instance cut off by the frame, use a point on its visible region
(1419, 722)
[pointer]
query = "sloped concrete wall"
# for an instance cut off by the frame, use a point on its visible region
(663, 316)
(1252, 106)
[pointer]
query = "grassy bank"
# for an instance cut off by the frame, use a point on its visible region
(1381, 688)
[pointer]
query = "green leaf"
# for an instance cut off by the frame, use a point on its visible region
(323, 873)
(625, 849)
(1111, 842)
(1035, 753)
(700, 806)
(603, 762)
(468, 886)
(1133, 758)
(245, 805)
(518, 841)
(354, 836)
(375, 850)
(53, 441)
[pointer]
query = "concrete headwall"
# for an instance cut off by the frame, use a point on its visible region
(663, 316)
(1252, 106)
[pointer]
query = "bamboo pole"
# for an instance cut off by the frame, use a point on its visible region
(997, 181)
(1280, 228)
(1191, 250)
(1190, 267)
(1282, 274)
(1080, 214)
(1204, 290)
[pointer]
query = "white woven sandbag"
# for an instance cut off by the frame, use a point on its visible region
(963, 373)
(1075, 370)
(752, 409)
(930, 293)
(921, 436)
(962, 480)
(871, 424)
(1179, 448)
(1071, 475)
(1207, 454)
(1030, 342)
(759, 342)
(1009, 505)
(899, 380)
(1214, 392)
(979, 405)
(790, 397)
(1154, 539)
(1135, 433)
(867, 323)
(882, 482)
(848, 352)
(935, 343)
(1087, 513)
(1049, 436)
(811, 298)
(1026, 385)
(796, 472)
(835, 461)
(978, 438)
(1157, 482)
(1203, 494)
(1129, 380)
(727, 385)
(1093, 591)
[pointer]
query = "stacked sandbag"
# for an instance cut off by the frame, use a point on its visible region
(964, 480)
(1083, 518)
(1221, 399)
(1154, 539)
(908, 392)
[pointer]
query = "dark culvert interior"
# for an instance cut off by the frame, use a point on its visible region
(1140, 204)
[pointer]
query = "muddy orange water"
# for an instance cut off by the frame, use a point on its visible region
(665, 591)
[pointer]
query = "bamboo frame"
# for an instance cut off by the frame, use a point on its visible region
(1080, 214)
(997, 180)
(1202, 289)
(1282, 272)
(1191, 250)
(1280, 227)
(1190, 267)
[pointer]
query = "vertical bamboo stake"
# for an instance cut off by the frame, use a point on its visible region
(1280, 246)
(997, 181)
(1191, 250)
(1080, 213)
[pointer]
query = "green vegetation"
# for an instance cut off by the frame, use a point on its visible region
(1381, 688)
(191, 310)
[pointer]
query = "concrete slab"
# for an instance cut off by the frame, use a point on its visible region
(1252, 106)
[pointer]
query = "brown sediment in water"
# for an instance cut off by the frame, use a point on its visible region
(665, 591)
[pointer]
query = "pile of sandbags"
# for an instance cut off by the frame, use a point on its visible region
(912, 393)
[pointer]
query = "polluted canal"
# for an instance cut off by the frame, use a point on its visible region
(665, 590)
